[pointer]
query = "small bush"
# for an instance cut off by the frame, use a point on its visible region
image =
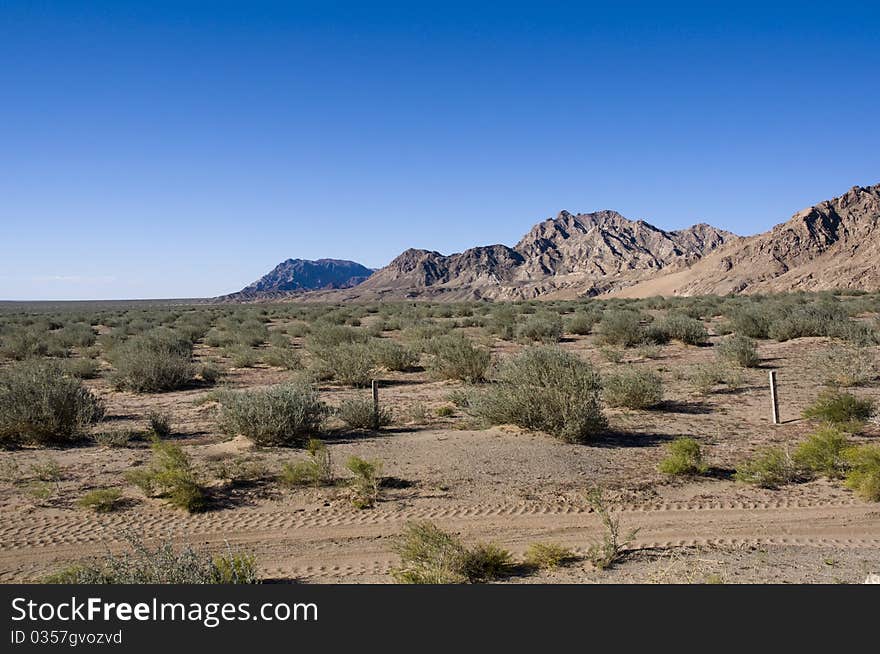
(842, 409)
(541, 327)
(444, 411)
(547, 389)
(316, 471)
(683, 328)
(289, 414)
(392, 356)
(771, 467)
(547, 556)
(634, 389)
(163, 565)
(365, 484)
(739, 349)
(47, 470)
(40, 405)
(823, 453)
(613, 547)
(117, 437)
(705, 377)
(684, 457)
(456, 357)
(242, 356)
(160, 423)
(581, 323)
(359, 413)
(82, 368)
(846, 366)
(159, 360)
(348, 363)
(753, 322)
(101, 500)
(429, 555)
(283, 357)
(170, 475)
(864, 474)
(621, 327)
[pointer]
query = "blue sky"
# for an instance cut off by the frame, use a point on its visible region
(182, 149)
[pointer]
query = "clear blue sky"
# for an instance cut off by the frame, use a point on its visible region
(179, 149)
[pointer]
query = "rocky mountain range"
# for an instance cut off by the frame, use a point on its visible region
(834, 244)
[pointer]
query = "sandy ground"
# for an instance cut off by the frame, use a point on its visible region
(500, 484)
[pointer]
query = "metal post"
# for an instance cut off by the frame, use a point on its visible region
(774, 397)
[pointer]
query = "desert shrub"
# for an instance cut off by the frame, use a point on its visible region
(323, 336)
(76, 335)
(242, 356)
(20, 345)
(209, 373)
(502, 321)
(160, 423)
(283, 357)
(621, 327)
(162, 565)
(391, 355)
(547, 389)
(634, 388)
(771, 467)
(846, 366)
(739, 349)
(417, 414)
(288, 414)
(864, 474)
(158, 360)
(840, 408)
(81, 368)
(612, 354)
(817, 319)
(47, 470)
(683, 328)
(349, 363)
(547, 556)
(365, 483)
(39, 404)
(705, 377)
(751, 321)
(823, 452)
(581, 323)
(684, 456)
(613, 547)
(429, 555)
(101, 500)
(444, 411)
(170, 475)
(316, 471)
(117, 437)
(360, 413)
(456, 357)
(541, 327)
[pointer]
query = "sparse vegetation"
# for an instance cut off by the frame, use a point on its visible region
(823, 453)
(770, 467)
(613, 547)
(635, 388)
(316, 471)
(159, 360)
(864, 471)
(170, 475)
(684, 457)
(547, 556)
(842, 409)
(101, 500)
(365, 482)
(456, 357)
(360, 413)
(740, 350)
(288, 414)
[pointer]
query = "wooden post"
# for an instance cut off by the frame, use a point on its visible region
(375, 387)
(774, 397)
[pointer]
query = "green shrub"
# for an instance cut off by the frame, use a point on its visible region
(242, 356)
(823, 453)
(101, 500)
(445, 411)
(547, 389)
(771, 467)
(429, 555)
(323, 336)
(160, 423)
(751, 321)
(365, 483)
(456, 357)
(360, 413)
(613, 547)
(170, 476)
(683, 328)
(163, 565)
(704, 377)
(739, 349)
(81, 368)
(348, 363)
(391, 355)
(843, 409)
(846, 366)
(283, 357)
(581, 323)
(288, 414)
(684, 457)
(621, 327)
(548, 556)
(40, 405)
(316, 471)
(864, 474)
(158, 360)
(541, 327)
(634, 388)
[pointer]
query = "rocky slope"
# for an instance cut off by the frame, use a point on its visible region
(300, 275)
(834, 244)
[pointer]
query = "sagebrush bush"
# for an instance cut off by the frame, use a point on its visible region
(547, 389)
(158, 360)
(823, 453)
(82, 368)
(739, 349)
(360, 413)
(581, 323)
(283, 357)
(288, 414)
(316, 471)
(770, 467)
(684, 457)
(388, 354)
(864, 471)
(41, 405)
(101, 500)
(635, 388)
(751, 321)
(839, 408)
(704, 377)
(170, 475)
(160, 423)
(429, 555)
(680, 327)
(163, 565)
(547, 556)
(621, 327)
(348, 363)
(457, 357)
(846, 366)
